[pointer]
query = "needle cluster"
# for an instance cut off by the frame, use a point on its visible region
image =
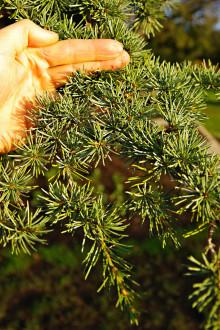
(96, 116)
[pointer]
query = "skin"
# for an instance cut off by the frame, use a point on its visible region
(33, 61)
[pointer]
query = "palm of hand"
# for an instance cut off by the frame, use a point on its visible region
(33, 61)
(21, 79)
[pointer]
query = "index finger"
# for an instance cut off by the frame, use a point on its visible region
(80, 51)
(24, 33)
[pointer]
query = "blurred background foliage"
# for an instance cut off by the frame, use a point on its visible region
(212, 122)
(192, 32)
(47, 290)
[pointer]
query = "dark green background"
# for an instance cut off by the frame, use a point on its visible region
(47, 290)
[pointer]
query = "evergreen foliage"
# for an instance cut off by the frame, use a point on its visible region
(190, 32)
(95, 116)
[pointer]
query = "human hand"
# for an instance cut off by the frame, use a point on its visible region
(33, 61)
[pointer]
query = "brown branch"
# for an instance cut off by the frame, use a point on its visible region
(211, 245)
(218, 274)
(114, 269)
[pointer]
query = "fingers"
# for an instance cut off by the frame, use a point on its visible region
(59, 75)
(16, 37)
(79, 51)
(9, 140)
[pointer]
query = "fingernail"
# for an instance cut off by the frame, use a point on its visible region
(117, 46)
(112, 46)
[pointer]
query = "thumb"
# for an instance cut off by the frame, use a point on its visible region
(24, 33)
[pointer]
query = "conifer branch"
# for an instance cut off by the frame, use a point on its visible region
(95, 116)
